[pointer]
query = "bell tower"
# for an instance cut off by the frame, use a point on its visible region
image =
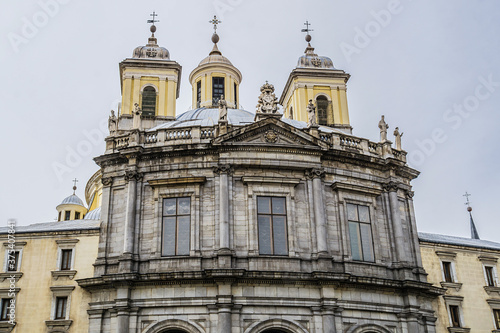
(316, 79)
(215, 77)
(151, 80)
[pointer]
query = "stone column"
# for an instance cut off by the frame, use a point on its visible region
(328, 321)
(224, 320)
(319, 209)
(399, 239)
(130, 216)
(223, 171)
(122, 321)
(95, 320)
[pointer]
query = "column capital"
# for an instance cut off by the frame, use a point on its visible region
(133, 175)
(410, 194)
(315, 173)
(106, 181)
(390, 186)
(223, 168)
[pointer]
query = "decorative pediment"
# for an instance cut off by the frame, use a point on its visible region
(270, 131)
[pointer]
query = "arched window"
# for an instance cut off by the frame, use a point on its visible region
(291, 112)
(322, 107)
(148, 101)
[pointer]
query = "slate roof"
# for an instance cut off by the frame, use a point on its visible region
(459, 241)
(73, 225)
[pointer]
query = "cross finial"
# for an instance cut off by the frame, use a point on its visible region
(467, 195)
(153, 21)
(74, 185)
(215, 21)
(307, 24)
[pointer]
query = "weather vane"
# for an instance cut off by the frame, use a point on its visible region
(307, 24)
(153, 21)
(215, 21)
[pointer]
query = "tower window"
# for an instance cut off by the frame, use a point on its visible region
(198, 94)
(67, 215)
(149, 101)
(235, 97)
(217, 89)
(291, 112)
(271, 216)
(77, 215)
(322, 105)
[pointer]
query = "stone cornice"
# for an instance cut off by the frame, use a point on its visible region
(176, 181)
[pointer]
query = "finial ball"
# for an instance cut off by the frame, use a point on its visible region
(308, 38)
(469, 209)
(215, 38)
(153, 28)
(74, 188)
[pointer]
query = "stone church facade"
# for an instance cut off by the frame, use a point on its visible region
(221, 220)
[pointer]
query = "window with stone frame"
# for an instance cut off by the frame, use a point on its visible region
(455, 316)
(489, 273)
(61, 307)
(272, 225)
(360, 232)
(148, 106)
(4, 315)
(217, 89)
(13, 261)
(66, 256)
(176, 226)
(496, 317)
(447, 271)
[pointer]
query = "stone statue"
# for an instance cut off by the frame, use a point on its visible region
(268, 103)
(398, 138)
(112, 123)
(311, 112)
(137, 116)
(222, 110)
(383, 129)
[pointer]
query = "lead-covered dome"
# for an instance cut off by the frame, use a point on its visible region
(72, 200)
(312, 60)
(151, 50)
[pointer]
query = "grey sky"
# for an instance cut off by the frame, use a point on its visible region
(60, 80)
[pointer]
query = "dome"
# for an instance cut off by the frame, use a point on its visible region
(94, 214)
(312, 60)
(215, 56)
(151, 51)
(73, 200)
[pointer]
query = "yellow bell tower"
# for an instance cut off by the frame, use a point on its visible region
(151, 80)
(316, 79)
(215, 77)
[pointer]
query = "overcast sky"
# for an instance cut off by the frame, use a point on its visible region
(431, 67)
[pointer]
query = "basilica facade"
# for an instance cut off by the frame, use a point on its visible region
(222, 220)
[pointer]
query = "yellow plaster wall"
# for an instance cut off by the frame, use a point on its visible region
(34, 300)
(73, 209)
(477, 313)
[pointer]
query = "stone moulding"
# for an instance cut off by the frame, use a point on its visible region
(176, 181)
(356, 188)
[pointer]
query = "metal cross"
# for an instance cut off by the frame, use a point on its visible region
(75, 181)
(307, 24)
(467, 195)
(215, 21)
(153, 20)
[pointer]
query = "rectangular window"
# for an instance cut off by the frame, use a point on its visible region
(271, 219)
(77, 215)
(198, 94)
(496, 316)
(176, 226)
(235, 97)
(360, 232)
(67, 215)
(448, 275)
(66, 259)
(455, 316)
(490, 276)
(61, 303)
(59, 217)
(12, 261)
(217, 89)
(5, 309)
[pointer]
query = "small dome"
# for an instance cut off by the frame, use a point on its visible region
(312, 60)
(215, 56)
(151, 51)
(73, 200)
(94, 214)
